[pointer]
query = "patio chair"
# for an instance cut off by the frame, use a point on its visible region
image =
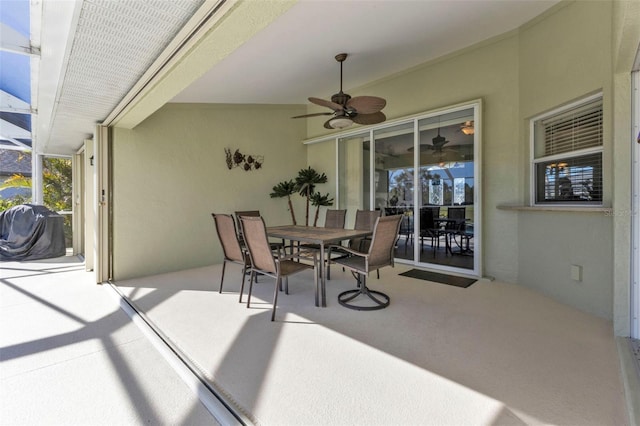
(263, 260)
(233, 252)
(332, 219)
(335, 218)
(254, 213)
(378, 255)
(365, 221)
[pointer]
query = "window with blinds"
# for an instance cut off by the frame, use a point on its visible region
(567, 147)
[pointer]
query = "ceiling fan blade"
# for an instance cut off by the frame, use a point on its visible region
(313, 115)
(334, 106)
(366, 104)
(327, 125)
(376, 117)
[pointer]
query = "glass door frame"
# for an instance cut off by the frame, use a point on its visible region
(635, 207)
(476, 105)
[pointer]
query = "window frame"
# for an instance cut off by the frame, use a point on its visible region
(533, 163)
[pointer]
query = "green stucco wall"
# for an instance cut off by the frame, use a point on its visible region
(562, 58)
(170, 174)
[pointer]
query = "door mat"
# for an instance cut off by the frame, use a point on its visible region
(439, 278)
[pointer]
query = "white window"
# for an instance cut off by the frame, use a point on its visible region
(567, 154)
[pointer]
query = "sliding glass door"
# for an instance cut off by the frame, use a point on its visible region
(425, 169)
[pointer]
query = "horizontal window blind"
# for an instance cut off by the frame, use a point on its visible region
(573, 130)
(572, 179)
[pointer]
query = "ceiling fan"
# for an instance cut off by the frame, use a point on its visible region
(348, 110)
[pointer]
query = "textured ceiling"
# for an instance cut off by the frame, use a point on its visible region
(114, 44)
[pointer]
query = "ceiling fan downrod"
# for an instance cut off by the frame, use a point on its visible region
(341, 98)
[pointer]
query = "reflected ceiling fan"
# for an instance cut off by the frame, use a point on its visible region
(437, 147)
(348, 110)
(467, 128)
(438, 143)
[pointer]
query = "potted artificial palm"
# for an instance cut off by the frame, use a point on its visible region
(306, 182)
(286, 189)
(317, 200)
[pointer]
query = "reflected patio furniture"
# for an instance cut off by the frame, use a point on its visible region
(378, 255)
(264, 261)
(406, 224)
(231, 248)
(406, 228)
(429, 228)
(456, 218)
(465, 234)
(435, 210)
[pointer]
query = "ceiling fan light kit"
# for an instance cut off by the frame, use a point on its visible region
(348, 110)
(340, 122)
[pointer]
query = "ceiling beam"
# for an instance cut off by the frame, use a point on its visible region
(14, 42)
(19, 146)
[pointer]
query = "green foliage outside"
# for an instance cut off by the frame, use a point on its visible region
(56, 188)
(57, 184)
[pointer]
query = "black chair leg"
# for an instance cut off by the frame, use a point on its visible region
(244, 274)
(224, 264)
(275, 297)
(251, 277)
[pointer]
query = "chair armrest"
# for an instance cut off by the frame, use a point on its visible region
(351, 251)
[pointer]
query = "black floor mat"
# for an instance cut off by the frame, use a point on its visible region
(439, 278)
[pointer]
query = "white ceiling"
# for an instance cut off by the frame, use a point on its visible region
(293, 58)
(287, 62)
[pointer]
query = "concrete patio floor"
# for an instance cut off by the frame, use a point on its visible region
(494, 353)
(69, 355)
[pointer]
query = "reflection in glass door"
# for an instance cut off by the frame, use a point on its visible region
(394, 180)
(445, 203)
(354, 157)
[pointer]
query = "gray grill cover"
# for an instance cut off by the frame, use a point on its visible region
(30, 232)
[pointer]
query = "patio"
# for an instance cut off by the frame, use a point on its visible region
(494, 353)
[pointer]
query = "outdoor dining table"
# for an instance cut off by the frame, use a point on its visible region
(320, 236)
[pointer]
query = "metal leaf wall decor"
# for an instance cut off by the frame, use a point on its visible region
(245, 162)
